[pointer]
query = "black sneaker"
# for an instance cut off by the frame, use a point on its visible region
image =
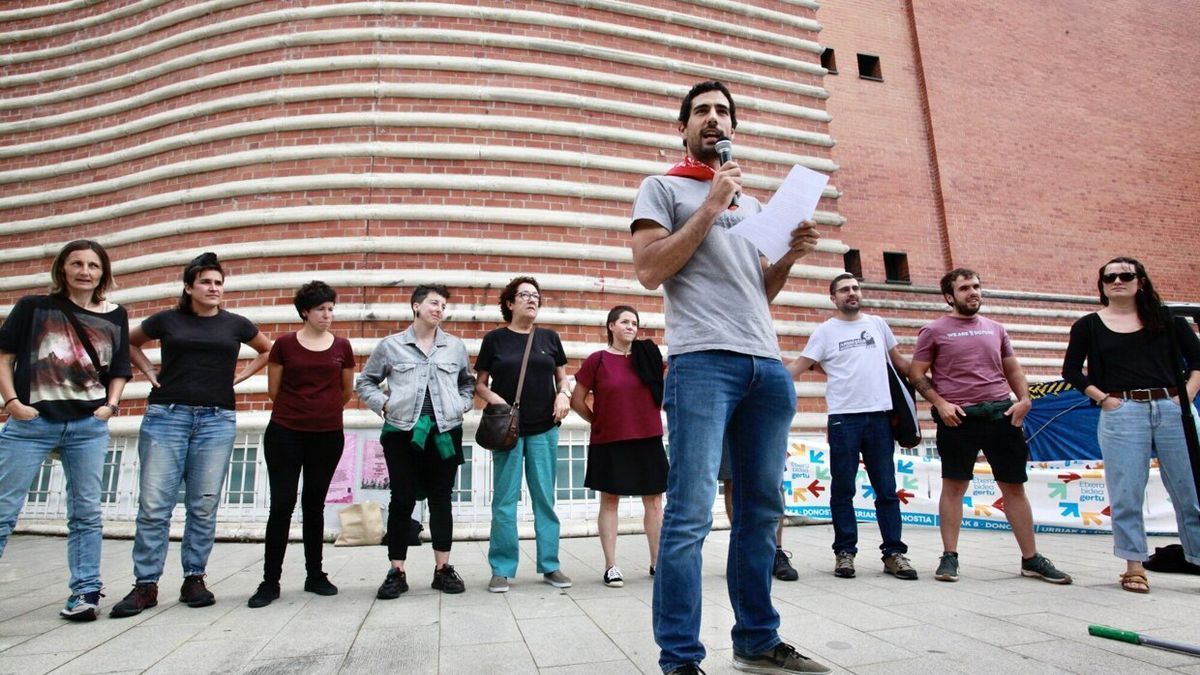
(320, 584)
(446, 580)
(782, 659)
(1040, 566)
(267, 592)
(81, 607)
(143, 596)
(613, 577)
(947, 569)
(689, 669)
(652, 570)
(393, 585)
(783, 569)
(195, 593)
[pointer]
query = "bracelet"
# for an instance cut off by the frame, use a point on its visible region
(116, 410)
(10, 401)
(1106, 397)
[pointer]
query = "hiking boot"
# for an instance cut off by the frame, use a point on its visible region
(898, 566)
(395, 583)
(143, 596)
(81, 607)
(498, 584)
(782, 659)
(613, 578)
(320, 584)
(1041, 567)
(267, 591)
(947, 569)
(783, 569)
(446, 580)
(843, 565)
(195, 593)
(557, 579)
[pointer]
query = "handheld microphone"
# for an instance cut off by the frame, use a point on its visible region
(724, 148)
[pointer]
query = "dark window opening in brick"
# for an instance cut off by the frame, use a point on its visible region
(852, 263)
(895, 267)
(829, 61)
(868, 67)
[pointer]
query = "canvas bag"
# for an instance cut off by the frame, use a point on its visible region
(361, 525)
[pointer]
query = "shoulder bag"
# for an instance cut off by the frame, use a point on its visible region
(500, 424)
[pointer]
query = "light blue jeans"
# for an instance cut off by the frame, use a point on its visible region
(177, 443)
(708, 396)
(1126, 436)
(82, 443)
(539, 453)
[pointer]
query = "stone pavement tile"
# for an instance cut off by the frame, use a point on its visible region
(1076, 630)
(34, 664)
(920, 664)
(716, 621)
(962, 652)
(860, 615)
(540, 600)
(241, 622)
(1085, 658)
(300, 665)
(833, 643)
(69, 636)
(496, 658)
(569, 640)
(481, 619)
(406, 610)
(227, 655)
(619, 614)
(639, 647)
(998, 632)
(135, 649)
(412, 650)
(608, 668)
(311, 638)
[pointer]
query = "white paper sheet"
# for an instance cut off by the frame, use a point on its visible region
(795, 201)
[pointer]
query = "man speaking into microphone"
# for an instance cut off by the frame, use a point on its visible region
(725, 378)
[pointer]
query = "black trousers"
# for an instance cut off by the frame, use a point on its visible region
(289, 452)
(408, 469)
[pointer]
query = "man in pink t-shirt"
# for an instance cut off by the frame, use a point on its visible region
(973, 372)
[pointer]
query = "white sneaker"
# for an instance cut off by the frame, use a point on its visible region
(498, 584)
(557, 579)
(613, 578)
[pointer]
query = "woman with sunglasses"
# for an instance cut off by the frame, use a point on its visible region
(1131, 375)
(59, 393)
(544, 402)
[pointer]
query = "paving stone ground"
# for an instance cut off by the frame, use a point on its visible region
(991, 621)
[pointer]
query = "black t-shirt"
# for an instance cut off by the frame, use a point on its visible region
(500, 355)
(199, 356)
(52, 371)
(1124, 361)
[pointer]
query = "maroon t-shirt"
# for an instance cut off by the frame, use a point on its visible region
(623, 408)
(310, 391)
(967, 358)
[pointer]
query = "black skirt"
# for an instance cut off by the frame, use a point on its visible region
(635, 467)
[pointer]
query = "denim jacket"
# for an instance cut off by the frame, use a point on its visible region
(408, 371)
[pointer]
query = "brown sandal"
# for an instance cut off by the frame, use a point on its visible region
(1135, 582)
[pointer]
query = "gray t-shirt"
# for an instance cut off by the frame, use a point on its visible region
(717, 300)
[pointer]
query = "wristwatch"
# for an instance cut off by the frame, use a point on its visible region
(116, 410)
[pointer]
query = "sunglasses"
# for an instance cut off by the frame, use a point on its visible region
(1123, 276)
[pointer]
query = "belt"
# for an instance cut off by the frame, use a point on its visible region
(1145, 394)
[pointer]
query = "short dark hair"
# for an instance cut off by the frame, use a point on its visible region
(614, 314)
(954, 275)
(421, 292)
(509, 294)
(1148, 303)
(844, 275)
(58, 278)
(313, 294)
(685, 108)
(202, 263)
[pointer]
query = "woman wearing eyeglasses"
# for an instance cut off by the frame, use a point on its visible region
(545, 400)
(1131, 375)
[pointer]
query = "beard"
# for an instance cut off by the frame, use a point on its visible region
(966, 310)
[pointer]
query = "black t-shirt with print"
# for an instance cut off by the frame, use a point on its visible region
(199, 356)
(500, 355)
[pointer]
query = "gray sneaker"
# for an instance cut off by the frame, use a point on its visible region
(1041, 567)
(947, 569)
(843, 565)
(557, 579)
(498, 584)
(782, 659)
(899, 566)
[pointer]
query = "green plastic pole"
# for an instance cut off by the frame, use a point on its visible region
(1138, 639)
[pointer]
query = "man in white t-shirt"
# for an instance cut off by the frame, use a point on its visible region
(853, 348)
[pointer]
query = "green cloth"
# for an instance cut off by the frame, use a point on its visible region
(441, 439)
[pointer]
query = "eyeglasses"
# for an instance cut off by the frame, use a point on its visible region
(1123, 276)
(527, 295)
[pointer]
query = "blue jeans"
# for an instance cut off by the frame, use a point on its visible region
(708, 396)
(82, 443)
(1126, 436)
(539, 453)
(180, 443)
(868, 435)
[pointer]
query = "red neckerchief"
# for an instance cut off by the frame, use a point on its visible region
(690, 168)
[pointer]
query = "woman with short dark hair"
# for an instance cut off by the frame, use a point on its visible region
(309, 380)
(1131, 375)
(545, 400)
(64, 361)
